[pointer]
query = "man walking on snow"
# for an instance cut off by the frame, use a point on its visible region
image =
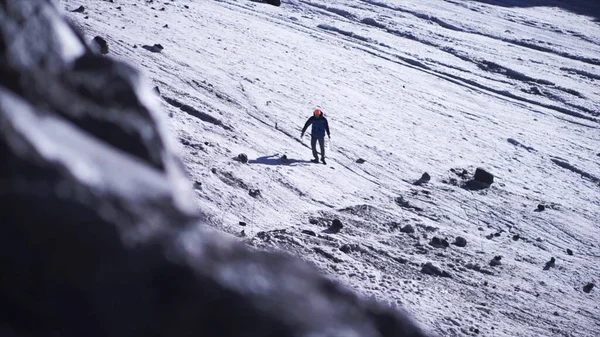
(319, 127)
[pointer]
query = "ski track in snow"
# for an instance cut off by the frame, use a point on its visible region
(410, 87)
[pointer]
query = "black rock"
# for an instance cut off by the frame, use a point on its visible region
(309, 232)
(429, 269)
(100, 45)
(254, 193)
(156, 90)
(243, 158)
(550, 263)
(588, 288)
(460, 241)
(540, 208)
(424, 179)
(79, 9)
(166, 26)
(346, 249)
(283, 158)
(157, 48)
(407, 229)
(335, 227)
(276, 3)
(569, 252)
(483, 176)
(126, 229)
(360, 161)
(556, 313)
(496, 261)
(489, 236)
(516, 237)
(242, 223)
(439, 243)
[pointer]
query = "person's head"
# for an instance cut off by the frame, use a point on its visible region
(318, 113)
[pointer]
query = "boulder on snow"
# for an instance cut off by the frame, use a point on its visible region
(97, 210)
(483, 176)
(157, 48)
(429, 269)
(424, 179)
(243, 158)
(540, 208)
(439, 243)
(460, 241)
(588, 288)
(255, 193)
(496, 261)
(550, 263)
(409, 229)
(79, 9)
(309, 232)
(335, 227)
(569, 252)
(360, 161)
(99, 45)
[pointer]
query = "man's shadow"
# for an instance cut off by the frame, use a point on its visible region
(277, 160)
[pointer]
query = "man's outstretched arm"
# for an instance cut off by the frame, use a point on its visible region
(306, 125)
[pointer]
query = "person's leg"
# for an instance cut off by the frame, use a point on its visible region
(322, 145)
(313, 145)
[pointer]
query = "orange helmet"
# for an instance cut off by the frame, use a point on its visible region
(318, 112)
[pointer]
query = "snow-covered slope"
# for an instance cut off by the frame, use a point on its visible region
(410, 87)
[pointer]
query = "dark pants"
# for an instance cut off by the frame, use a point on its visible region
(313, 144)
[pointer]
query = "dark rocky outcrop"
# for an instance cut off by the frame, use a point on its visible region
(99, 233)
(429, 269)
(460, 241)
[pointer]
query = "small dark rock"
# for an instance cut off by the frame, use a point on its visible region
(360, 161)
(80, 9)
(539, 240)
(407, 229)
(119, 8)
(243, 233)
(489, 237)
(197, 185)
(346, 249)
(100, 45)
(550, 263)
(474, 330)
(243, 158)
(276, 3)
(213, 170)
(309, 232)
(556, 313)
(460, 241)
(166, 26)
(439, 243)
(313, 221)
(496, 261)
(497, 234)
(569, 252)
(516, 237)
(242, 223)
(588, 288)
(424, 179)
(186, 6)
(429, 269)
(156, 90)
(283, 158)
(157, 48)
(335, 227)
(254, 193)
(540, 208)
(483, 176)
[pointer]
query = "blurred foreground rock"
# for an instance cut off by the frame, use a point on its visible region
(99, 235)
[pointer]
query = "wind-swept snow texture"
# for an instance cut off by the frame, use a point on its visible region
(409, 87)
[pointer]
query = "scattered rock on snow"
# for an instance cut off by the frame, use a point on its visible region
(243, 158)
(313, 221)
(335, 227)
(556, 313)
(360, 161)
(460, 241)
(80, 9)
(550, 263)
(516, 237)
(407, 229)
(424, 179)
(496, 261)
(99, 45)
(254, 193)
(157, 48)
(569, 252)
(540, 208)
(156, 90)
(276, 3)
(309, 232)
(429, 269)
(588, 288)
(242, 223)
(483, 176)
(439, 243)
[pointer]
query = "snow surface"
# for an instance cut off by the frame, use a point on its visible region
(410, 87)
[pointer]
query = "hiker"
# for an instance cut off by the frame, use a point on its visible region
(319, 127)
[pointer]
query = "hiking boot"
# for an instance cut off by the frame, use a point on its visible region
(316, 161)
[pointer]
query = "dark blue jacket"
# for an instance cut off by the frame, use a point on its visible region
(319, 126)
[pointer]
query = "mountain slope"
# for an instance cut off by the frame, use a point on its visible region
(410, 88)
